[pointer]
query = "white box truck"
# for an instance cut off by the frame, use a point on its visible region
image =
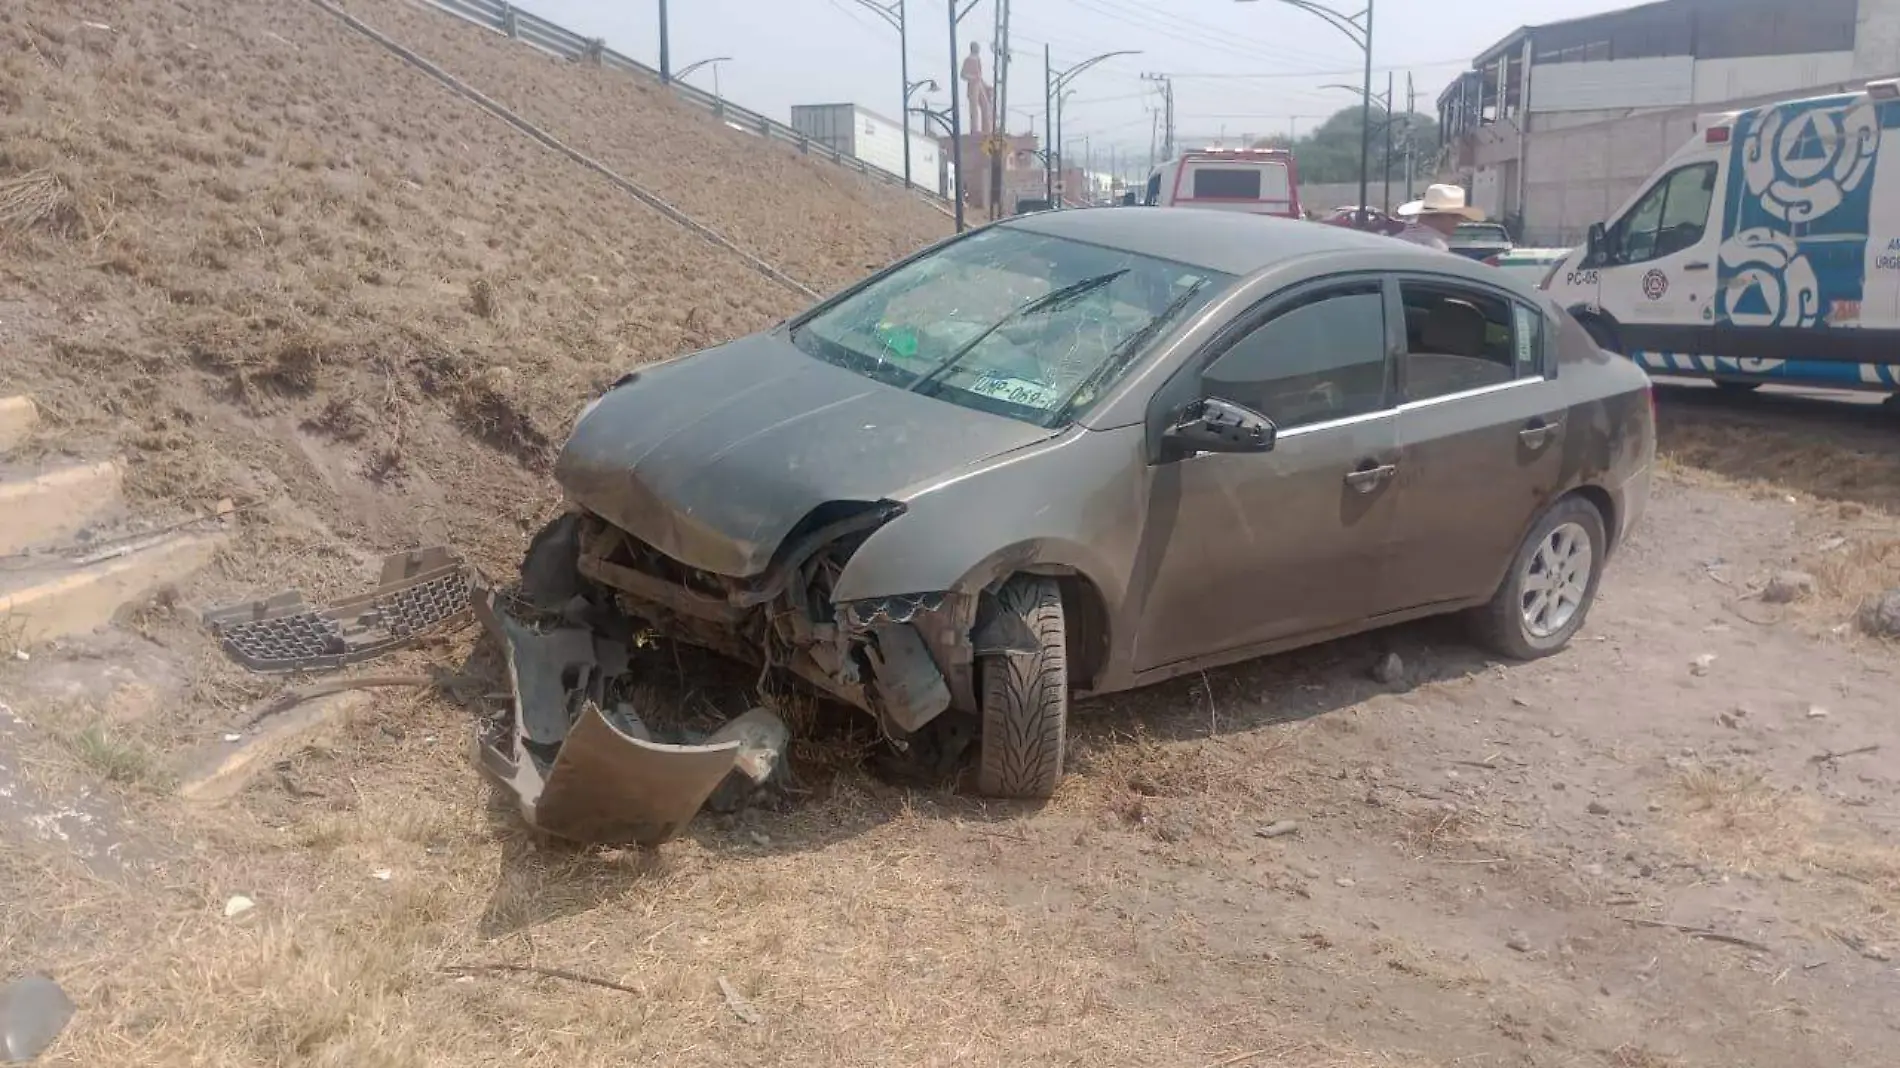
(855, 131)
(1767, 249)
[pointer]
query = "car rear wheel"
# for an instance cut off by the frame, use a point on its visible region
(1026, 697)
(1551, 585)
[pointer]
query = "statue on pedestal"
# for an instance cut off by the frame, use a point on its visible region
(982, 97)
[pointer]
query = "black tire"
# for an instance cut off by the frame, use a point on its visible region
(1736, 385)
(1502, 626)
(550, 570)
(1026, 698)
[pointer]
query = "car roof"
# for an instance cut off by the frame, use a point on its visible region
(1226, 241)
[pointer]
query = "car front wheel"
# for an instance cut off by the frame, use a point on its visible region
(1551, 585)
(1026, 697)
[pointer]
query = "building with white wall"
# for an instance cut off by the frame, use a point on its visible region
(1555, 126)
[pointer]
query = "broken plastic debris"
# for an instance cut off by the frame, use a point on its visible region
(233, 736)
(584, 770)
(738, 1004)
(238, 905)
(420, 593)
(33, 1012)
(382, 875)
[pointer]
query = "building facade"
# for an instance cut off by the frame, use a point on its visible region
(1556, 126)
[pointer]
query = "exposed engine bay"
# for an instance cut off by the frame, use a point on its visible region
(906, 659)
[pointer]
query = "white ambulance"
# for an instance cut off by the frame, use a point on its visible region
(1766, 250)
(1260, 181)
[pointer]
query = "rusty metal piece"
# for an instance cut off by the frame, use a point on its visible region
(421, 592)
(573, 772)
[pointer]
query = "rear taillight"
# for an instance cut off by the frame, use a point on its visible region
(1649, 391)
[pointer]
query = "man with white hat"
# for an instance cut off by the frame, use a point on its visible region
(1431, 220)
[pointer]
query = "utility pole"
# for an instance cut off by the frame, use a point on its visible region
(1154, 136)
(999, 49)
(1167, 112)
(1411, 141)
(666, 55)
(956, 111)
(1387, 206)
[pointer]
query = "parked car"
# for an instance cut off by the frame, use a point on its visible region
(1535, 265)
(1084, 451)
(1025, 205)
(1480, 240)
(1767, 249)
(1371, 220)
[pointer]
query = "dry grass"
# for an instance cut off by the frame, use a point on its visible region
(1835, 455)
(37, 201)
(1736, 819)
(1851, 575)
(1825, 452)
(863, 931)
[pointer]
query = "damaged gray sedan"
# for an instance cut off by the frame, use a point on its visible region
(1083, 451)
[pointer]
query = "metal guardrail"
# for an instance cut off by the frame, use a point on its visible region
(511, 21)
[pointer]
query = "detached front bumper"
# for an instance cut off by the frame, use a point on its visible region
(584, 774)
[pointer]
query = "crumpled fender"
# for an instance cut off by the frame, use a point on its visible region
(968, 531)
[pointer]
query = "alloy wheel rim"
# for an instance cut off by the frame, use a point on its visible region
(1555, 581)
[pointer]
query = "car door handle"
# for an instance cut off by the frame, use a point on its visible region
(1537, 433)
(1696, 266)
(1368, 476)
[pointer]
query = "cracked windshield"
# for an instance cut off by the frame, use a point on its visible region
(1011, 322)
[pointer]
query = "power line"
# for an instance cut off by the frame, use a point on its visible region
(1393, 68)
(1182, 28)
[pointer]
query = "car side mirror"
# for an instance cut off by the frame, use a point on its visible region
(1596, 245)
(1215, 425)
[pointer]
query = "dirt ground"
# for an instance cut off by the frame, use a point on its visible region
(1671, 845)
(266, 262)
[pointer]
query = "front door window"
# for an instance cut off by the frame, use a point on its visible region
(1322, 359)
(1669, 218)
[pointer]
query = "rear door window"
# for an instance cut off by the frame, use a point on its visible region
(1226, 183)
(1461, 338)
(1261, 182)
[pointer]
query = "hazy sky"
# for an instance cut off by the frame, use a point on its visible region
(1240, 68)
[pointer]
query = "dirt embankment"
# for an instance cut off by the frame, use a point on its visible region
(266, 260)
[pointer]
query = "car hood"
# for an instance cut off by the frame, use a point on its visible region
(714, 458)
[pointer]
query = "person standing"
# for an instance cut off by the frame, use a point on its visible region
(1431, 220)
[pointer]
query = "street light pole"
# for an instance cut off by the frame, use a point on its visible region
(685, 72)
(903, 79)
(666, 54)
(1049, 130)
(1358, 30)
(1053, 87)
(893, 13)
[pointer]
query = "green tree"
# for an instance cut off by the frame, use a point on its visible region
(1330, 151)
